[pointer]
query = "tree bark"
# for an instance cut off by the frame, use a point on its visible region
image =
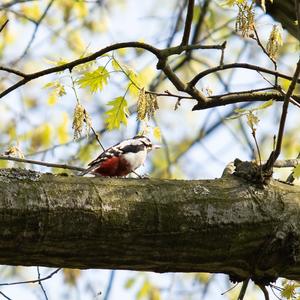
(224, 225)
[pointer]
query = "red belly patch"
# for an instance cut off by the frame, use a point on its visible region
(115, 166)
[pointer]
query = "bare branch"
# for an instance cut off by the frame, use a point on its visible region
(243, 289)
(244, 96)
(16, 72)
(200, 21)
(265, 291)
(287, 163)
(5, 296)
(274, 155)
(13, 2)
(41, 163)
(4, 24)
(37, 24)
(32, 281)
(188, 23)
(40, 283)
(194, 81)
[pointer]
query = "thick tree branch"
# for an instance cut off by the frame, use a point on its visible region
(223, 225)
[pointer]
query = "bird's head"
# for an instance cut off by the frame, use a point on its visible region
(146, 142)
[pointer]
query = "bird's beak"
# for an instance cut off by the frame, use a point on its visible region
(156, 147)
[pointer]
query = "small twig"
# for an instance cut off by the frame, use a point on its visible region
(40, 283)
(97, 138)
(233, 287)
(222, 54)
(138, 175)
(275, 293)
(6, 297)
(16, 72)
(37, 24)
(188, 23)
(41, 163)
(274, 154)
(32, 281)
(257, 147)
(257, 39)
(243, 289)
(13, 2)
(177, 23)
(200, 75)
(3, 25)
(265, 291)
(110, 283)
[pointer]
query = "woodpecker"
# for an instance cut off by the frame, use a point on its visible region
(122, 158)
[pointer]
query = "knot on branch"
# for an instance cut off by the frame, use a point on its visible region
(251, 171)
(161, 64)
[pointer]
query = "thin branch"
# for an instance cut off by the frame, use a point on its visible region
(287, 163)
(244, 96)
(11, 3)
(196, 94)
(161, 54)
(257, 39)
(177, 23)
(16, 72)
(230, 289)
(40, 283)
(37, 25)
(41, 163)
(32, 281)
(200, 21)
(243, 289)
(97, 138)
(110, 283)
(199, 76)
(3, 25)
(265, 291)
(6, 297)
(274, 154)
(188, 23)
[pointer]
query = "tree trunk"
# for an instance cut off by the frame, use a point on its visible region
(223, 225)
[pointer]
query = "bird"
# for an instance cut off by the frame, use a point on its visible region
(121, 159)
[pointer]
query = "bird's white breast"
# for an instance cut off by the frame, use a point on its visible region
(135, 159)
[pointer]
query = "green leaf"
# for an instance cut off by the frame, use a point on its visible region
(240, 110)
(144, 290)
(116, 65)
(288, 291)
(117, 114)
(57, 87)
(94, 80)
(265, 105)
(296, 172)
(129, 282)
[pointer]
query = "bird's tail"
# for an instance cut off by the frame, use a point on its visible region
(86, 171)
